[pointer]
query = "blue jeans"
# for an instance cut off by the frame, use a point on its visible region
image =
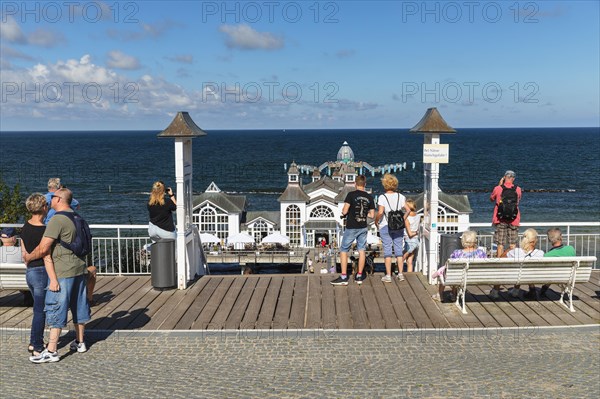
(360, 235)
(156, 233)
(37, 281)
(392, 240)
(71, 295)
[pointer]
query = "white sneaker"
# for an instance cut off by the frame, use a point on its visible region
(45, 357)
(78, 346)
(400, 277)
(494, 294)
(387, 278)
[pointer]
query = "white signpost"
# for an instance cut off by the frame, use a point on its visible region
(431, 125)
(189, 256)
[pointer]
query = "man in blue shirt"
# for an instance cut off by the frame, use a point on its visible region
(54, 185)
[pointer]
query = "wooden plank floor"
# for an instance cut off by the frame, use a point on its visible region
(309, 301)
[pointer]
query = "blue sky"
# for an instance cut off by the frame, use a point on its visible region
(298, 64)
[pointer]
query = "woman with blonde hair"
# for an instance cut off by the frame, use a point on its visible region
(161, 210)
(36, 273)
(393, 241)
(527, 250)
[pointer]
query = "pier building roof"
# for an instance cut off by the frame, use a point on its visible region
(228, 202)
(345, 153)
(294, 193)
(325, 182)
(270, 216)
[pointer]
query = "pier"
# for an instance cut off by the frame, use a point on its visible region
(301, 301)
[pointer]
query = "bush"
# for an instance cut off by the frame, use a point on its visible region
(12, 204)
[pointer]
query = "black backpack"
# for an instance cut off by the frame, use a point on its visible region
(82, 242)
(395, 218)
(508, 207)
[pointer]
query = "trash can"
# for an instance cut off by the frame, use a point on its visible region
(162, 264)
(448, 244)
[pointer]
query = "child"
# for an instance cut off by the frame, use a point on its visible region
(411, 239)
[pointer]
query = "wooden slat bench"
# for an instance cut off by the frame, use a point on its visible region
(563, 271)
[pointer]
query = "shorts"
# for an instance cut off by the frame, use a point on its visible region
(360, 235)
(506, 234)
(411, 244)
(392, 241)
(71, 295)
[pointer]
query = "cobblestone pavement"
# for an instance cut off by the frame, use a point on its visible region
(527, 363)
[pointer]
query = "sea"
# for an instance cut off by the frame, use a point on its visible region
(111, 172)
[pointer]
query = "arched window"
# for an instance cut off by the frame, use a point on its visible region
(213, 221)
(321, 211)
(260, 230)
(447, 222)
(293, 221)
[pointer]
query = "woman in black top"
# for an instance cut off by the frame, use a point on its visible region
(36, 275)
(161, 210)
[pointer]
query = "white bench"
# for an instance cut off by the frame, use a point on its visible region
(564, 271)
(12, 276)
(12, 269)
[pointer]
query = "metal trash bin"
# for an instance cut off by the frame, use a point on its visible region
(162, 264)
(448, 244)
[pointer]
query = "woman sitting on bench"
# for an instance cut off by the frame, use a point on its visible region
(468, 239)
(528, 250)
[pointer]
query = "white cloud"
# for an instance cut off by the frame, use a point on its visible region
(10, 52)
(245, 38)
(182, 58)
(118, 59)
(45, 38)
(76, 90)
(11, 32)
(145, 31)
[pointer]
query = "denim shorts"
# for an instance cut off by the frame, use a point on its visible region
(360, 235)
(72, 295)
(392, 241)
(411, 244)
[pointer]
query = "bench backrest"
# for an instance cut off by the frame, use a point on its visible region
(12, 276)
(557, 270)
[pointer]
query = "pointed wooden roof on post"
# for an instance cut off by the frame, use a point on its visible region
(432, 122)
(182, 126)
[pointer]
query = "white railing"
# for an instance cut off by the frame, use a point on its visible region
(119, 249)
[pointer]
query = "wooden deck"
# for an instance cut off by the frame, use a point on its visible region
(309, 301)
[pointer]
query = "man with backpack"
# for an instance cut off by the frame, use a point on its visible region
(507, 215)
(358, 207)
(67, 282)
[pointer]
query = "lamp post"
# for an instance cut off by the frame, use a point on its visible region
(431, 126)
(183, 130)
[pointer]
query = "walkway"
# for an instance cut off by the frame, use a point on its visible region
(495, 364)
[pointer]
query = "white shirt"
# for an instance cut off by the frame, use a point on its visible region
(519, 253)
(396, 202)
(414, 221)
